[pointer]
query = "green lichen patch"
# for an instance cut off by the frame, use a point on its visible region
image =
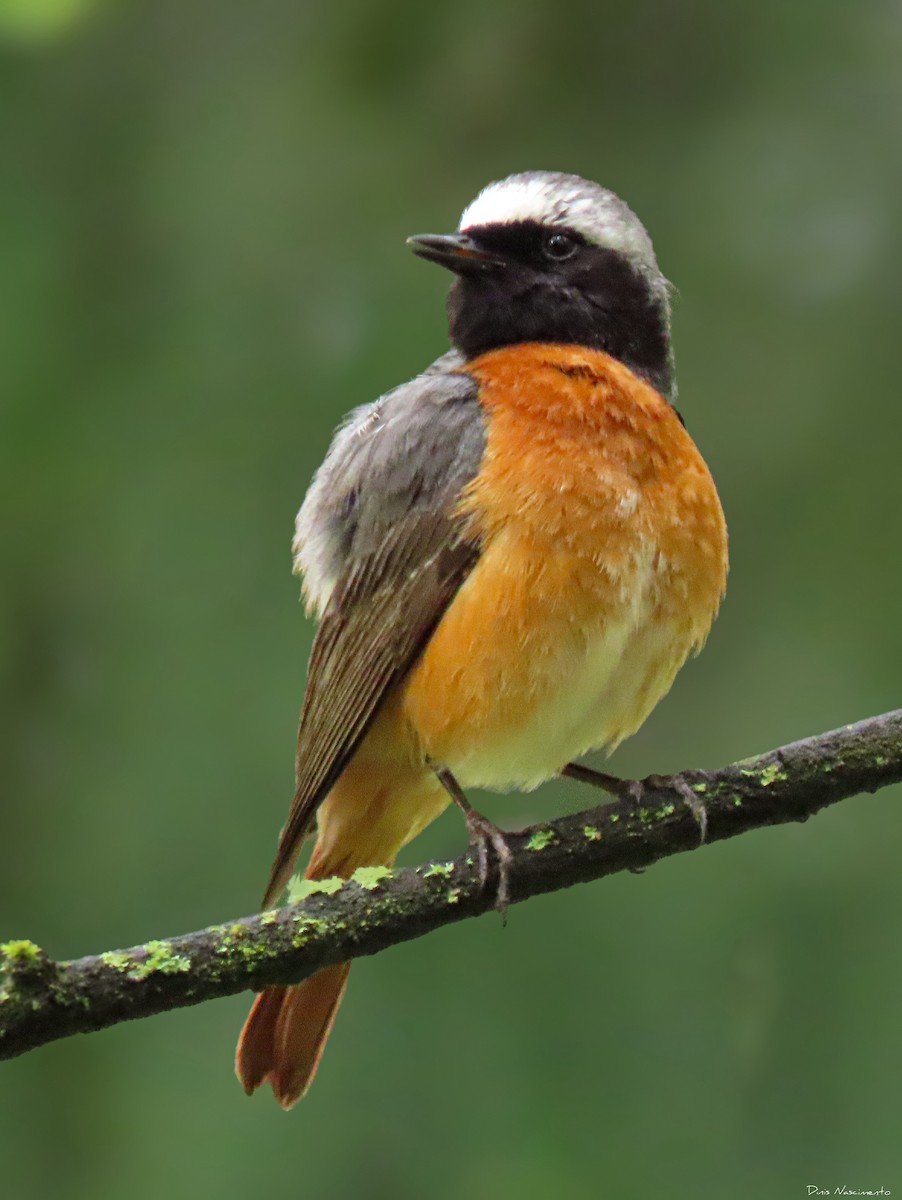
(299, 889)
(23, 966)
(118, 960)
(232, 938)
(443, 869)
(540, 839)
(306, 928)
(21, 951)
(771, 774)
(666, 810)
(370, 877)
(453, 895)
(159, 957)
(238, 943)
(591, 833)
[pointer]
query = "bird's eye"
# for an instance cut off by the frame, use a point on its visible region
(559, 246)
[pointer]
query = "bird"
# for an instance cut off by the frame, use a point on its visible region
(510, 557)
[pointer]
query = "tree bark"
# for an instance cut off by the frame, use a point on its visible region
(42, 999)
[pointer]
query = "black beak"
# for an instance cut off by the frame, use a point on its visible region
(456, 251)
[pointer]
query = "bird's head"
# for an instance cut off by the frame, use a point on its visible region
(546, 257)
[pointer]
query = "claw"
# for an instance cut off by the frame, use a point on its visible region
(482, 834)
(635, 789)
(676, 783)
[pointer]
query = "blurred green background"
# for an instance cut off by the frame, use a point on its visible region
(202, 267)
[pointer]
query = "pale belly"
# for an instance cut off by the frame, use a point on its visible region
(594, 704)
(557, 664)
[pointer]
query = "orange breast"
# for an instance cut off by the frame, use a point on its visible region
(604, 563)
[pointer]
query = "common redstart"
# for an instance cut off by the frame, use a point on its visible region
(510, 556)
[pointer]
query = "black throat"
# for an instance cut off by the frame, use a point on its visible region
(596, 299)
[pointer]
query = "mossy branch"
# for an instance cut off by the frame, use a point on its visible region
(42, 1000)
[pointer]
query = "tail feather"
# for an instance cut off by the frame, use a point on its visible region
(285, 1033)
(257, 1044)
(370, 813)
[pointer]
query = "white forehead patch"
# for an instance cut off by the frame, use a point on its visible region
(552, 199)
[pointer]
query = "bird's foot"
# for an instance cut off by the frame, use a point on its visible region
(679, 784)
(483, 834)
(636, 789)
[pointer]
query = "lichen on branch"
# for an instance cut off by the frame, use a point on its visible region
(42, 999)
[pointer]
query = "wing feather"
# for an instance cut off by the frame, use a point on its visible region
(383, 551)
(377, 622)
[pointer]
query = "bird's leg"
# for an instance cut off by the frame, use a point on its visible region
(622, 789)
(635, 789)
(483, 833)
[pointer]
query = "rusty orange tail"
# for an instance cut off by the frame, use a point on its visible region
(285, 1034)
(371, 812)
